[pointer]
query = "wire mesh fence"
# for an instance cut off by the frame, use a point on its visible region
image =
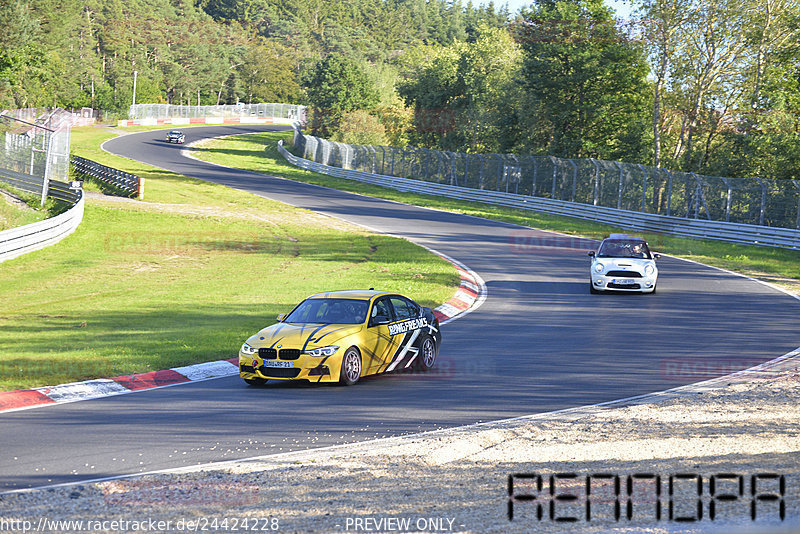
(611, 184)
(35, 144)
(169, 111)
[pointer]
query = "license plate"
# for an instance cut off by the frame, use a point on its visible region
(278, 363)
(623, 281)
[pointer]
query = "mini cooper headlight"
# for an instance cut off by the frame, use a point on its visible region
(248, 350)
(649, 270)
(598, 267)
(322, 351)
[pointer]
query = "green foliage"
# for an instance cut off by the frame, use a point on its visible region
(335, 86)
(462, 92)
(360, 128)
(586, 81)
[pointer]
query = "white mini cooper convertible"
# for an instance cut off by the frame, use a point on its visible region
(623, 263)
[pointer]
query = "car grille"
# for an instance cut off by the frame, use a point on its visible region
(276, 372)
(624, 274)
(624, 286)
(247, 369)
(289, 354)
(267, 354)
(274, 354)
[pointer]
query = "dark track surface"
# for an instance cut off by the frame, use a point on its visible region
(541, 342)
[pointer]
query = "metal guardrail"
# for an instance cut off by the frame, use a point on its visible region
(32, 184)
(18, 241)
(132, 185)
(633, 220)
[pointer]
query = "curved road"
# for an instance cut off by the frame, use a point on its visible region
(539, 343)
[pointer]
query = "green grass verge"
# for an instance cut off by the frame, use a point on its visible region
(183, 278)
(258, 152)
(13, 215)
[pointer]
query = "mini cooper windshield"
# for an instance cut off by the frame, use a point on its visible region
(329, 311)
(619, 248)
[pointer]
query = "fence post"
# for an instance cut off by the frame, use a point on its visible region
(763, 202)
(574, 179)
(728, 201)
(535, 172)
(500, 164)
(480, 172)
(669, 194)
(619, 191)
(644, 188)
(596, 181)
(47, 168)
(555, 169)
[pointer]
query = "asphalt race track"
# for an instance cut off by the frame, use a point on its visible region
(539, 343)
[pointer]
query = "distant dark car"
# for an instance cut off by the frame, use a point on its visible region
(176, 136)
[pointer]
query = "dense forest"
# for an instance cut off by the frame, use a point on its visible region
(709, 86)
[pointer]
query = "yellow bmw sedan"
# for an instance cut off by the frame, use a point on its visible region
(341, 336)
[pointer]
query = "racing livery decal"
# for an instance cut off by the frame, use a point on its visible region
(405, 326)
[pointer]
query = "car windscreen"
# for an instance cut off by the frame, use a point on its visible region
(329, 311)
(624, 249)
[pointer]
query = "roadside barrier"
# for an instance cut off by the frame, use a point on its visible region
(18, 241)
(130, 184)
(633, 220)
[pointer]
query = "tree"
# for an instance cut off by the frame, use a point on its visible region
(665, 35)
(462, 92)
(585, 82)
(267, 77)
(335, 86)
(710, 65)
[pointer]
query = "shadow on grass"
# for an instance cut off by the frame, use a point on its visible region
(100, 344)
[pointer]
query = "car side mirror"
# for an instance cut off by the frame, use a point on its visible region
(380, 320)
(591, 253)
(281, 317)
(657, 256)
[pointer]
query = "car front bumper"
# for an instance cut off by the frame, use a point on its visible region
(311, 368)
(644, 284)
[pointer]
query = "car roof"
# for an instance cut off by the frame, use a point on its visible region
(624, 237)
(358, 294)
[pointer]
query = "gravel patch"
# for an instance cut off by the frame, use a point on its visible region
(457, 480)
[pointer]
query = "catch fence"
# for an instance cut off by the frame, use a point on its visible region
(290, 112)
(35, 148)
(611, 184)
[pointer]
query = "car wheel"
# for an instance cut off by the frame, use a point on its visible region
(255, 381)
(427, 354)
(592, 290)
(351, 367)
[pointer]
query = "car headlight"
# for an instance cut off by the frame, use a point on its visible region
(322, 351)
(598, 267)
(649, 270)
(248, 350)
